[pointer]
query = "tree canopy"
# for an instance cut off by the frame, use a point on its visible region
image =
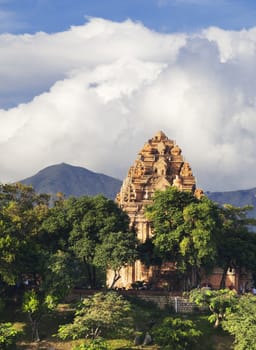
(219, 302)
(100, 235)
(49, 246)
(98, 315)
(240, 322)
(198, 233)
(22, 212)
(184, 229)
(236, 241)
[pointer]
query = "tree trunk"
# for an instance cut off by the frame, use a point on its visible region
(223, 278)
(116, 277)
(93, 277)
(34, 326)
(35, 332)
(198, 277)
(217, 322)
(88, 267)
(195, 277)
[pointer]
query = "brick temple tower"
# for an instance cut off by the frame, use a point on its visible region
(159, 164)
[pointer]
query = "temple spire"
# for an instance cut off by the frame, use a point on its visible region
(160, 135)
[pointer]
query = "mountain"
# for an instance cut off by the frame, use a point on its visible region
(77, 181)
(73, 181)
(237, 198)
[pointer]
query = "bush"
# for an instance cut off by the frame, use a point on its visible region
(176, 334)
(103, 314)
(240, 322)
(96, 344)
(8, 336)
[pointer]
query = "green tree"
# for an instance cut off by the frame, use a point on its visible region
(240, 322)
(55, 227)
(21, 214)
(184, 230)
(176, 334)
(93, 219)
(103, 314)
(23, 255)
(93, 234)
(116, 251)
(148, 253)
(36, 306)
(219, 302)
(57, 276)
(236, 246)
(198, 245)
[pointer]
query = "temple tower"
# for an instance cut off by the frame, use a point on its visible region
(159, 164)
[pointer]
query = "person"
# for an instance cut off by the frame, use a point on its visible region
(147, 339)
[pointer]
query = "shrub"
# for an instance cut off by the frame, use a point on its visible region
(8, 336)
(176, 334)
(103, 314)
(96, 344)
(240, 322)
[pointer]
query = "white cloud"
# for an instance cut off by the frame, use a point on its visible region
(104, 88)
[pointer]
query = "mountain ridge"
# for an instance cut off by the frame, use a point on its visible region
(238, 198)
(76, 181)
(73, 180)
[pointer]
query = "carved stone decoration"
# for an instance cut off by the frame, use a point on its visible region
(186, 170)
(177, 182)
(199, 193)
(176, 151)
(160, 167)
(161, 148)
(146, 149)
(160, 164)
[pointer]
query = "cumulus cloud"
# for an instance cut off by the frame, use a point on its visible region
(94, 94)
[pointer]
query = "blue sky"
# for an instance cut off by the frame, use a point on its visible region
(87, 82)
(19, 16)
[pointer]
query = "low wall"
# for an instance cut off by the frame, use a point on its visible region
(177, 303)
(161, 299)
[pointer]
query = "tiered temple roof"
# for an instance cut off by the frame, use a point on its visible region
(159, 164)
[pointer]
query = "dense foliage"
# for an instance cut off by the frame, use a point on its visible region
(197, 233)
(100, 315)
(184, 230)
(176, 334)
(8, 336)
(219, 302)
(236, 243)
(240, 322)
(35, 305)
(49, 246)
(95, 344)
(54, 246)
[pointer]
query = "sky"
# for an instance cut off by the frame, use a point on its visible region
(88, 82)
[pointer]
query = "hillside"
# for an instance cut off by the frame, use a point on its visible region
(238, 198)
(73, 180)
